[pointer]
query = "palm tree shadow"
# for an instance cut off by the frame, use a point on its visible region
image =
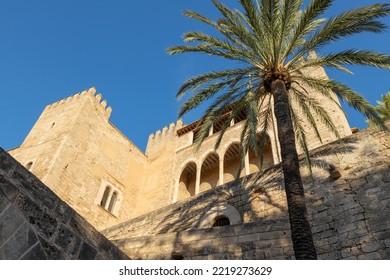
(260, 200)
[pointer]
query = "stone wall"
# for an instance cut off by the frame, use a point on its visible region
(77, 152)
(36, 224)
(268, 239)
(349, 215)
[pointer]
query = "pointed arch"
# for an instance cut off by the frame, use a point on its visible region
(104, 200)
(29, 165)
(113, 200)
(209, 175)
(187, 181)
(232, 158)
(255, 164)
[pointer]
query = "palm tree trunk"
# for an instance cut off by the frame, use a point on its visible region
(301, 234)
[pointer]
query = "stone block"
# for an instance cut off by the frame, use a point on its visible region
(358, 182)
(4, 203)
(7, 189)
(386, 177)
(371, 247)
(320, 228)
(327, 233)
(18, 243)
(67, 240)
(87, 252)
(8, 164)
(380, 224)
(10, 221)
(36, 216)
(64, 211)
(370, 256)
(52, 251)
(37, 190)
(35, 253)
(330, 256)
(355, 211)
(385, 254)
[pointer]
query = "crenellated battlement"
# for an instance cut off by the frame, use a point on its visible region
(161, 137)
(91, 92)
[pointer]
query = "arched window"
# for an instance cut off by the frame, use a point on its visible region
(109, 197)
(232, 163)
(219, 216)
(258, 162)
(29, 165)
(221, 221)
(209, 176)
(187, 181)
(111, 206)
(106, 193)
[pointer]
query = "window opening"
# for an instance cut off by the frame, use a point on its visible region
(221, 222)
(105, 197)
(112, 202)
(29, 165)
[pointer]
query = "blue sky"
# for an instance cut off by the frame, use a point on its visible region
(51, 49)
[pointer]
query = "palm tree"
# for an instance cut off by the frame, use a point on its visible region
(383, 107)
(270, 40)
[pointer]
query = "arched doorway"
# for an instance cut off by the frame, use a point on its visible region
(255, 157)
(209, 176)
(187, 181)
(232, 160)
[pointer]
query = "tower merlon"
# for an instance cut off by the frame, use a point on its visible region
(98, 97)
(179, 123)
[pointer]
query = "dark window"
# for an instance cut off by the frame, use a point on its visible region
(221, 222)
(112, 202)
(105, 197)
(28, 165)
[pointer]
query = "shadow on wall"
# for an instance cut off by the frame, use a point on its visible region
(347, 214)
(36, 224)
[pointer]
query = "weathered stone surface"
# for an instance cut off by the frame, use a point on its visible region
(86, 154)
(87, 252)
(35, 228)
(35, 253)
(10, 221)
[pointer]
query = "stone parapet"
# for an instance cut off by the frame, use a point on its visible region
(36, 224)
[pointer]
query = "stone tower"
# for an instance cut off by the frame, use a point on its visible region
(91, 165)
(75, 150)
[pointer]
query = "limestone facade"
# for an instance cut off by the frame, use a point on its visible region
(75, 150)
(170, 201)
(35, 224)
(349, 215)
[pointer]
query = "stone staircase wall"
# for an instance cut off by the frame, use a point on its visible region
(36, 224)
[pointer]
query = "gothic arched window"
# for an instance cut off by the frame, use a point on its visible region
(109, 197)
(106, 193)
(29, 165)
(113, 199)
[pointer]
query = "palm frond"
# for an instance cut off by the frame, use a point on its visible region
(348, 23)
(358, 102)
(196, 82)
(307, 23)
(300, 135)
(349, 57)
(321, 85)
(308, 104)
